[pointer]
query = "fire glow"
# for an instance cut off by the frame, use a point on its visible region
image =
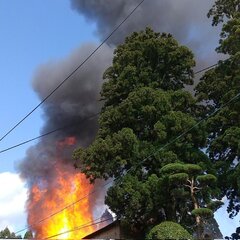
(47, 198)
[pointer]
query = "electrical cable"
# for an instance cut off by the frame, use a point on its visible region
(76, 69)
(48, 133)
(206, 68)
(184, 133)
(62, 209)
(152, 154)
(69, 126)
(79, 228)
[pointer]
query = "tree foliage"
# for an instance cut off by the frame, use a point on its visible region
(28, 235)
(145, 110)
(223, 9)
(216, 88)
(190, 183)
(147, 59)
(168, 230)
(6, 234)
(142, 115)
(236, 235)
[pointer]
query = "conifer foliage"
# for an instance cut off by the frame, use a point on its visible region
(145, 110)
(216, 88)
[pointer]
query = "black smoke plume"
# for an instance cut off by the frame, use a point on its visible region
(77, 100)
(186, 20)
(71, 106)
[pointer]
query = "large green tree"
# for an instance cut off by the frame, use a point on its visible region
(217, 88)
(145, 110)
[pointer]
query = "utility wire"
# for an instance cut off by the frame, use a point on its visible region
(207, 68)
(211, 66)
(69, 126)
(182, 134)
(141, 162)
(71, 74)
(62, 209)
(79, 227)
(50, 132)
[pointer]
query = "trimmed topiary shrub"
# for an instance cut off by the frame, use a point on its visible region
(203, 212)
(168, 230)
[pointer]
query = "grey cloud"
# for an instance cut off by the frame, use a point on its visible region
(185, 19)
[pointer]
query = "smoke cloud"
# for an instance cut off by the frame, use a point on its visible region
(79, 98)
(76, 100)
(186, 20)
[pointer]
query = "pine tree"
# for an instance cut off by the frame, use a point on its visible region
(145, 108)
(191, 190)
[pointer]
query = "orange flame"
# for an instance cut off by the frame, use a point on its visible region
(45, 199)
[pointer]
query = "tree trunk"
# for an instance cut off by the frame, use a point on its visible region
(197, 218)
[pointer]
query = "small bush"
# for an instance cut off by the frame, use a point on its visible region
(168, 230)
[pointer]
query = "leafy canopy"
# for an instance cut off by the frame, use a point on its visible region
(191, 191)
(216, 88)
(6, 234)
(168, 230)
(223, 9)
(148, 59)
(145, 109)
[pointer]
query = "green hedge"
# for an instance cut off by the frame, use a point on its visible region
(168, 230)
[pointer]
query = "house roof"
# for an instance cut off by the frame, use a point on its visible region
(106, 228)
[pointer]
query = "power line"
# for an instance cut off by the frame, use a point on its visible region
(62, 209)
(76, 69)
(152, 154)
(184, 133)
(210, 67)
(48, 133)
(79, 227)
(69, 126)
(207, 68)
